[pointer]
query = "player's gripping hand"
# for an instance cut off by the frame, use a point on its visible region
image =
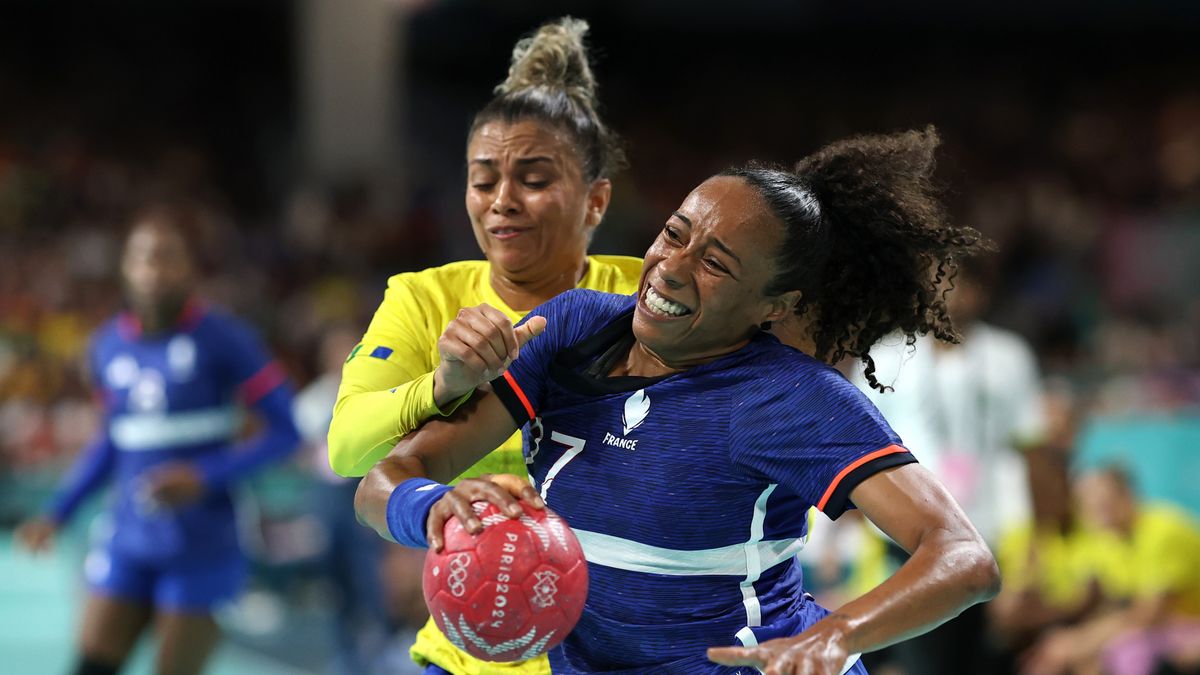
(820, 650)
(37, 535)
(502, 489)
(477, 347)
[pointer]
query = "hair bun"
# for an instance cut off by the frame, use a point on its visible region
(554, 57)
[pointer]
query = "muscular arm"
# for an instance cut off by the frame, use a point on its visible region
(949, 570)
(950, 567)
(440, 450)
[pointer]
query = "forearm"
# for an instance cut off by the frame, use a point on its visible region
(950, 567)
(944, 576)
(366, 425)
(376, 487)
(440, 451)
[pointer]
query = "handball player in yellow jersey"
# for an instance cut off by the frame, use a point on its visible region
(538, 162)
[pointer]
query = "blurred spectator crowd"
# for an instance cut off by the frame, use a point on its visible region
(1093, 199)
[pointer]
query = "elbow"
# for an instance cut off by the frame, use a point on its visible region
(339, 464)
(340, 458)
(371, 499)
(366, 502)
(982, 574)
(360, 500)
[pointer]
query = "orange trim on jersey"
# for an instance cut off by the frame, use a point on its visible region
(512, 382)
(889, 450)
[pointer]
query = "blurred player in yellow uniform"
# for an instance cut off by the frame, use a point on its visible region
(1145, 559)
(538, 161)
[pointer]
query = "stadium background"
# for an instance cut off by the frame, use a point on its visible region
(319, 145)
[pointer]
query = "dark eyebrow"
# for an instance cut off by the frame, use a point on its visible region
(716, 242)
(719, 244)
(524, 161)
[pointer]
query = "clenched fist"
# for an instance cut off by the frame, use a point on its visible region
(477, 347)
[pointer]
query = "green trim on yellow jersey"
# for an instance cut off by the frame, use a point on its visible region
(387, 385)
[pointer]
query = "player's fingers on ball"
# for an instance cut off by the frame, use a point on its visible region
(511, 482)
(515, 485)
(434, 524)
(500, 495)
(529, 494)
(460, 506)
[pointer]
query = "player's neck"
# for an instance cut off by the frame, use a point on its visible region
(159, 318)
(644, 362)
(796, 332)
(522, 295)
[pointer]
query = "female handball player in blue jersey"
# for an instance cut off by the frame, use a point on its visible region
(172, 377)
(684, 444)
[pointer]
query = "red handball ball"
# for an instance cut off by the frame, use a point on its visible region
(511, 593)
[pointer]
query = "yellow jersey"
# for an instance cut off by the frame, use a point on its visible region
(1047, 562)
(1160, 557)
(387, 391)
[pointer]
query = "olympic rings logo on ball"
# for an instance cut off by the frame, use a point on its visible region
(457, 578)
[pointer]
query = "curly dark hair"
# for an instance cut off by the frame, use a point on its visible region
(550, 80)
(868, 243)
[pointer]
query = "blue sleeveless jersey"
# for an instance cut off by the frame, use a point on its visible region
(175, 396)
(688, 492)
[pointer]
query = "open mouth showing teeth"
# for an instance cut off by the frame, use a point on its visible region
(663, 306)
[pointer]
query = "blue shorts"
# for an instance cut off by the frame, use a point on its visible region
(185, 586)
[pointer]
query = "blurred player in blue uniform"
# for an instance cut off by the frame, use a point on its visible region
(685, 444)
(174, 378)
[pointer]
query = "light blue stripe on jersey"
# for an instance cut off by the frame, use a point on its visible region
(754, 561)
(632, 556)
(138, 432)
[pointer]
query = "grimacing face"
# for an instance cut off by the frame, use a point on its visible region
(531, 209)
(704, 280)
(156, 266)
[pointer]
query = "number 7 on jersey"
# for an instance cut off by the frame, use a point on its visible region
(574, 447)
